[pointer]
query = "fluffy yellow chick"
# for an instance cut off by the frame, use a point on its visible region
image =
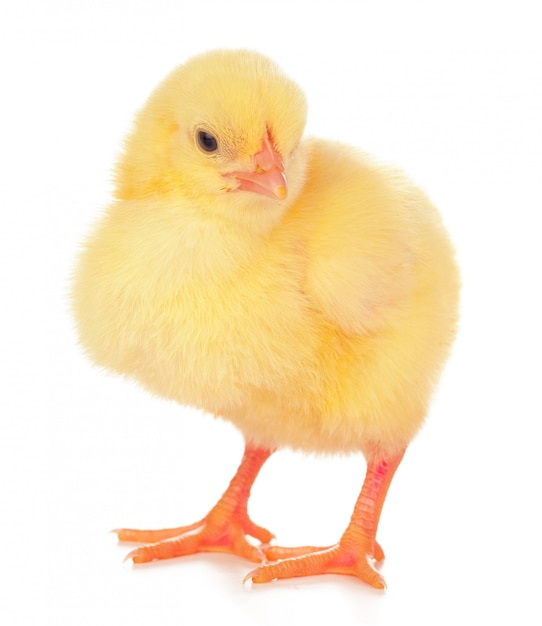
(296, 287)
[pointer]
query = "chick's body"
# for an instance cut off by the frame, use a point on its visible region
(324, 334)
(319, 321)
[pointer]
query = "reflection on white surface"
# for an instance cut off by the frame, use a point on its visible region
(453, 99)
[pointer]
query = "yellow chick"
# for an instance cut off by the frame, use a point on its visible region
(298, 288)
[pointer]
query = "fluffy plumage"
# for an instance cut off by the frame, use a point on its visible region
(317, 317)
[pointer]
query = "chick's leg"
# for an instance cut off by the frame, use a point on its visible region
(224, 529)
(357, 549)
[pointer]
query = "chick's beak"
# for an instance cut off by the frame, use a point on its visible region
(267, 177)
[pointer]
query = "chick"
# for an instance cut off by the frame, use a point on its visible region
(298, 288)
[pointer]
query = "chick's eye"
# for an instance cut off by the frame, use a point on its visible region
(206, 141)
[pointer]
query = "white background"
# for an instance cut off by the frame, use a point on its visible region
(452, 93)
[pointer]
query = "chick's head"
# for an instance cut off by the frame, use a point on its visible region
(223, 131)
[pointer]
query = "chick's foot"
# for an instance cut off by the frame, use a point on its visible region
(309, 561)
(224, 529)
(357, 550)
(217, 532)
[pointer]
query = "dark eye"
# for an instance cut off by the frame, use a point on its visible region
(206, 141)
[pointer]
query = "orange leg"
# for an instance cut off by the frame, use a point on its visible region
(224, 529)
(357, 549)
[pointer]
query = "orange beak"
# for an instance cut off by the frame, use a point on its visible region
(268, 177)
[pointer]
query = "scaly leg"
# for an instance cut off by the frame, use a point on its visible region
(357, 549)
(224, 529)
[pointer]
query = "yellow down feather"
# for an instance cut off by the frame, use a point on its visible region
(319, 322)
